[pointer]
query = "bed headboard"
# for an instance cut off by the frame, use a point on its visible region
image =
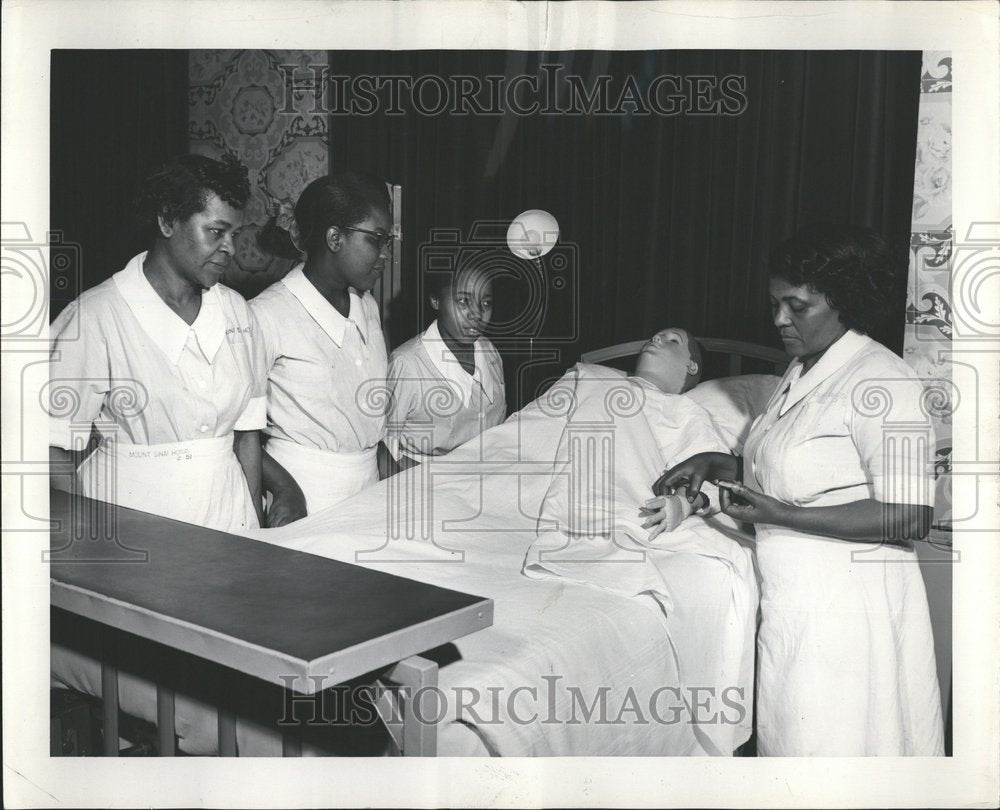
(735, 350)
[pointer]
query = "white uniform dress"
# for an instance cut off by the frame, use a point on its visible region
(325, 388)
(166, 397)
(845, 653)
(435, 405)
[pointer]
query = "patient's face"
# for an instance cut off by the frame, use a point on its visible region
(665, 359)
(466, 307)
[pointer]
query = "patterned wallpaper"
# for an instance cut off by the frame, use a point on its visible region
(258, 105)
(927, 340)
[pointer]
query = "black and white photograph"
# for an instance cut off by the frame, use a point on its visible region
(602, 390)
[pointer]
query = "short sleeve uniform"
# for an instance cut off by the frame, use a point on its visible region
(325, 387)
(435, 405)
(845, 650)
(157, 388)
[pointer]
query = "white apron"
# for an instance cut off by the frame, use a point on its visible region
(845, 654)
(198, 481)
(325, 478)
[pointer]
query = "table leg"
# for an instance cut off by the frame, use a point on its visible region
(291, 743)
(109, 703)
(165, 721)
(419, 677)
(227, 733)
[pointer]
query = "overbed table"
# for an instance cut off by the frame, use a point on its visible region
(293, 619)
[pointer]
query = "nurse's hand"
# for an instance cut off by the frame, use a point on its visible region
(288, 504)
(743, 503)
(693, 472)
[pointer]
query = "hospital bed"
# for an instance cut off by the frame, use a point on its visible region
(568, 667)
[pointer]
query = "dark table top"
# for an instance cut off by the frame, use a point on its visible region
(264, 610)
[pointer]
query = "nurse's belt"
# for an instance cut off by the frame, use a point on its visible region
(197, 481)
(326, 478)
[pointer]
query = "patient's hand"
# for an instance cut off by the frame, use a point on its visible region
(665, 513)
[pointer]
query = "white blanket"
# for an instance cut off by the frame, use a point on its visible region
(617, 438)
(658, 676)
(649, 665)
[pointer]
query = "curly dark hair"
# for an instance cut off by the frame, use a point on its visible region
(343, 199)
(852, 266)
(179, 189)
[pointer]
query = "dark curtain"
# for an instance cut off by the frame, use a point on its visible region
(115, 116)
(670, 218)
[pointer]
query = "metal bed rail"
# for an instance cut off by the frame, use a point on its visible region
(736, 350)
(406, 692)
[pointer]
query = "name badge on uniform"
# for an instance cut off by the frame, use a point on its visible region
(236, 334)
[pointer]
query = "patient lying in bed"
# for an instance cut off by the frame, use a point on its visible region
(672, 420)
(597, 511)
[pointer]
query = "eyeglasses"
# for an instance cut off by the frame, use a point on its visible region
(383, 239)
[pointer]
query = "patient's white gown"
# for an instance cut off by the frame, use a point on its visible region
(845, 653)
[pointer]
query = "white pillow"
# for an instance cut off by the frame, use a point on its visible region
(734, 402)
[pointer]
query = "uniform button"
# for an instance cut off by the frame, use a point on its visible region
(201, 383)
(204, 428)
(357, 362)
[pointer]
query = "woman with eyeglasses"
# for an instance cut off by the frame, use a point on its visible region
(325, 349)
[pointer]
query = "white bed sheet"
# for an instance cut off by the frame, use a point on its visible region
(567, 668)
(658, 673)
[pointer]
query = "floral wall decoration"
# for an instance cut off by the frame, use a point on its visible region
(928, 335)
(264, 107)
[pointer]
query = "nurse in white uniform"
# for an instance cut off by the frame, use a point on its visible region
(166, 363)
(836, 477)
(446, 384)
(325, 352)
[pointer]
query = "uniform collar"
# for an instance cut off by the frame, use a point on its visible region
(447, 364)
(322, 311)
(166, 328)
(833, 359)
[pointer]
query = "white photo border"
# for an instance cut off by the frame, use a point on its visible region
(31, 779)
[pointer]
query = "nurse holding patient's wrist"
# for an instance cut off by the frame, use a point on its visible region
(838, 492)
